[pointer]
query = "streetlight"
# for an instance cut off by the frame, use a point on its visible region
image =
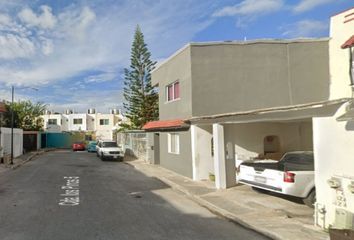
(12, 119)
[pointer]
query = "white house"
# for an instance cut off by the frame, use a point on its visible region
(334, 135)
(102, 124)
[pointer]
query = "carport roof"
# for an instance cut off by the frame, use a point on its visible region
(284, 113)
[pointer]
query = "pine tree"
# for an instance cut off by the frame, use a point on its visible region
(141, 99)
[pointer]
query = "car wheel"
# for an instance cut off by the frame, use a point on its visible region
(102, 157)
(260, 190)
(310, 200)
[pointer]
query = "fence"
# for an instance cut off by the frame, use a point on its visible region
(5, 141)
(134, 144)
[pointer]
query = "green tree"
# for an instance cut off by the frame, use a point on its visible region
(26, 115)
(141, 99)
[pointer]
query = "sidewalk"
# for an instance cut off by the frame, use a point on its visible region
(19, 161)
(261, 212)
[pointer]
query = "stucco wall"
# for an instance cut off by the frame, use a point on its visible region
(182, 162)
(339, 58)
(334, 151)
(235, 77)
(203, 158)
(177, 68)
(248, 138)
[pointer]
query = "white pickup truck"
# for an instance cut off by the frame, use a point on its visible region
(292, 175)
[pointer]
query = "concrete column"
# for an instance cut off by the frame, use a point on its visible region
(194, 157)
(219, 156)
(225, 174)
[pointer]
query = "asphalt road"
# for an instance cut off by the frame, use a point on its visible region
(114, 202)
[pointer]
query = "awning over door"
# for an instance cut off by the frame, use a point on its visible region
(176, 124)
(348, 43)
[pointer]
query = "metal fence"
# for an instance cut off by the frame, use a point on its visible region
(134, 144)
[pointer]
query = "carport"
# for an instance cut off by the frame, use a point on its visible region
(221, 141)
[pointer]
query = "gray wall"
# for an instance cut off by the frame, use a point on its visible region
(238, 77)
(177, 68)
(180, 163)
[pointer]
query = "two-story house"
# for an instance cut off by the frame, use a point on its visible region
(334, 135)
(102, 125)
(222, 102)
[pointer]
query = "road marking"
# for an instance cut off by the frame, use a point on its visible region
(71, 192)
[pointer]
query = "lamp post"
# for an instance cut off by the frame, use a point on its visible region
(12, 120)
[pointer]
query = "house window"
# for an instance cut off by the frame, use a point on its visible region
(173, 143)
(52, 121)
(104, 121)
(77, 120)
(172, 91)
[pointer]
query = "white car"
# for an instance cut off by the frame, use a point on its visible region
(107, 149)
(292, 175)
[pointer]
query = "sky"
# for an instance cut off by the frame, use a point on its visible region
(73, 52)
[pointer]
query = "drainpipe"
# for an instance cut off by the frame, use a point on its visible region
(351, 70)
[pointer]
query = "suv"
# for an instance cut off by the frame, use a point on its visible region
(108, 149)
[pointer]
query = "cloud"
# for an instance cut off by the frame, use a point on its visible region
(305, 28)
(13, 46)
(249, 10)
(44, 20)
(67, 51)
(306, 5)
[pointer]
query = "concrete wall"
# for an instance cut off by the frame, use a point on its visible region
(334, 151)
(248, 138)
(339, 58)
(177, 68)
(203, 158)
(231, 77)
(6, 141)
(182, 162)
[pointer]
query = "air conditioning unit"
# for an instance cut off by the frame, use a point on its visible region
(91, 111)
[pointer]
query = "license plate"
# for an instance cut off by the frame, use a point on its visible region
(115, 156)
(260, 179)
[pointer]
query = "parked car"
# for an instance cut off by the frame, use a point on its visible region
(91, 146)
(78, 146)
(107, 149)
(293, 175)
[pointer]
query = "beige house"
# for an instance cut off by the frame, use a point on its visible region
(241, 100)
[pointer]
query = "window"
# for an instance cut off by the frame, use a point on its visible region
(173, 143)
(77, 120)
(52, 121)
(104, 121)
(172, 91)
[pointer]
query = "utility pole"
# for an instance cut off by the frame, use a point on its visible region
(12, 124)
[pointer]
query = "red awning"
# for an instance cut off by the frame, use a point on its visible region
(2, 107)
(348, 43)
(165, 125)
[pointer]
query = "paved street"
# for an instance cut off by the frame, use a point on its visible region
(114, 202)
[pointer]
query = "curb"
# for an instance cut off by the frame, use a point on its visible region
(215, 209)
(30, 158)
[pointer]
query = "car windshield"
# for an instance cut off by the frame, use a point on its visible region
(109, 144)
(298, 158)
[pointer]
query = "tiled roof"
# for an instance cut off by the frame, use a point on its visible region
(2, 107)
(165, 124)
(348, 43)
